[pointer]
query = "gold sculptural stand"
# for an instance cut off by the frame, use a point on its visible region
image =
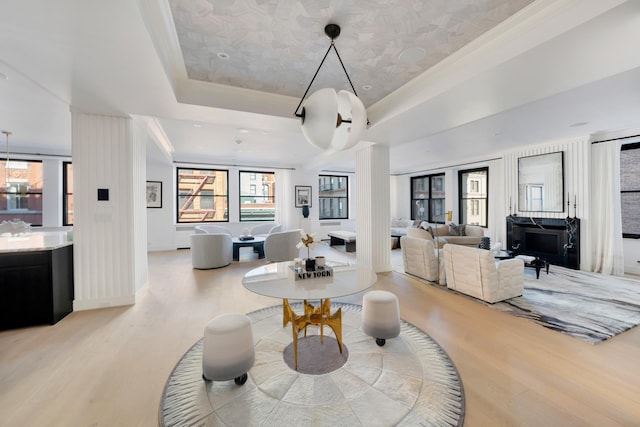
(320, 315)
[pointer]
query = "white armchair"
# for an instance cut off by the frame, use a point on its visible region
(263, 230)
(281, 246)
(210, 228)
(419, 257)
(475, 272)
(211, 250)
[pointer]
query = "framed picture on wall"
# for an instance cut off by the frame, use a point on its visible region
(154, 194)
(303, 196)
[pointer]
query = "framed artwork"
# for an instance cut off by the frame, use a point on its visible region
(303, 196)
(154, 194)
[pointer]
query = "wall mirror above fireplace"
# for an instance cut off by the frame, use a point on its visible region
(541, 183)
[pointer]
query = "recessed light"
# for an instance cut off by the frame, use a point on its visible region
(197, 125)
(223, 55)
(242, 130)
(412, 55)
(366, 87)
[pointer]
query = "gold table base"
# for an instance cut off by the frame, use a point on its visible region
(320, 316)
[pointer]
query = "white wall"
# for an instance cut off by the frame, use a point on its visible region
(161, 233)
(164, 234)
(505, 172)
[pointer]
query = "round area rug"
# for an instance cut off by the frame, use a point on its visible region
(409, 381)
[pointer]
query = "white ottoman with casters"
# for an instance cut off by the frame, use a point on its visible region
(228, 351)
(380, 316)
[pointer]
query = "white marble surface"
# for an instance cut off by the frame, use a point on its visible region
(36, 241)
(273, 280)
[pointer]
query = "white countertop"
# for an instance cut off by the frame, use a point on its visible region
(36, 241)
(273, 280)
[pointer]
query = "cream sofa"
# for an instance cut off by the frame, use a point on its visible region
(399, 227)
(443, 234)
(475, 272)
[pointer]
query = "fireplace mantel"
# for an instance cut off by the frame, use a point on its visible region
(556, 240)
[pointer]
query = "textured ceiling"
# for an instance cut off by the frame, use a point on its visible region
(532, 78)
(275, 46)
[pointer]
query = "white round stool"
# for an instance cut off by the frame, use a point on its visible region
(380, 316)
(228, 351)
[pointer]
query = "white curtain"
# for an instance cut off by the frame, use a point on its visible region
(284, 198)
(606, 220)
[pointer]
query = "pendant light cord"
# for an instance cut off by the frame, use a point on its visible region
(332, 45)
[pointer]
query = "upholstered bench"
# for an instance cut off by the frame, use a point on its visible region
(346, 238)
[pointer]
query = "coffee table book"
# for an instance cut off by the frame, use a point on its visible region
(323, 273)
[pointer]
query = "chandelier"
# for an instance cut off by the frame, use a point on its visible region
(332, 120)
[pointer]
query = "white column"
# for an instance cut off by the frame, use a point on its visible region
(52, 193)
(373, 222)
(110, 261)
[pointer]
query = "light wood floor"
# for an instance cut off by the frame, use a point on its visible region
(108, 367)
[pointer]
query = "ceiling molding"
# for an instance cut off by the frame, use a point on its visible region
(158, 20)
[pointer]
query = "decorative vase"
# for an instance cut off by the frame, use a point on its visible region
(305, 211)
(310, 264)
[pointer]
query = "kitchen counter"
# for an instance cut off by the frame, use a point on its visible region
(36, 241)
(36, 279)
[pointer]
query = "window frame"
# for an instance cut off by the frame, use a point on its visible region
(16, 213)
(321, 198)
(252, 178)
(461, 199)
(65, 192)
(178, 195)
(431, 215)
(626, 147)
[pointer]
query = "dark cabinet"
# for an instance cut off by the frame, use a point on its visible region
(36, 287)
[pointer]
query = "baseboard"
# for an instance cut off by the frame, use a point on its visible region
(92, 304)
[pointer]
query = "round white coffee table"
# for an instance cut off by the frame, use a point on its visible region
(276, 280)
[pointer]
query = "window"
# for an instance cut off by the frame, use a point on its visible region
(203, 195)
(630, 189)
(474, 196)
(428, 198)
(333, 197)
(21, 191)
(256, 206)
(67, 193)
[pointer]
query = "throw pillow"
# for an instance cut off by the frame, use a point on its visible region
(430, 230)
(456, 230)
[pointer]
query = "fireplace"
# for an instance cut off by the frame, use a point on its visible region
(552, 239)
